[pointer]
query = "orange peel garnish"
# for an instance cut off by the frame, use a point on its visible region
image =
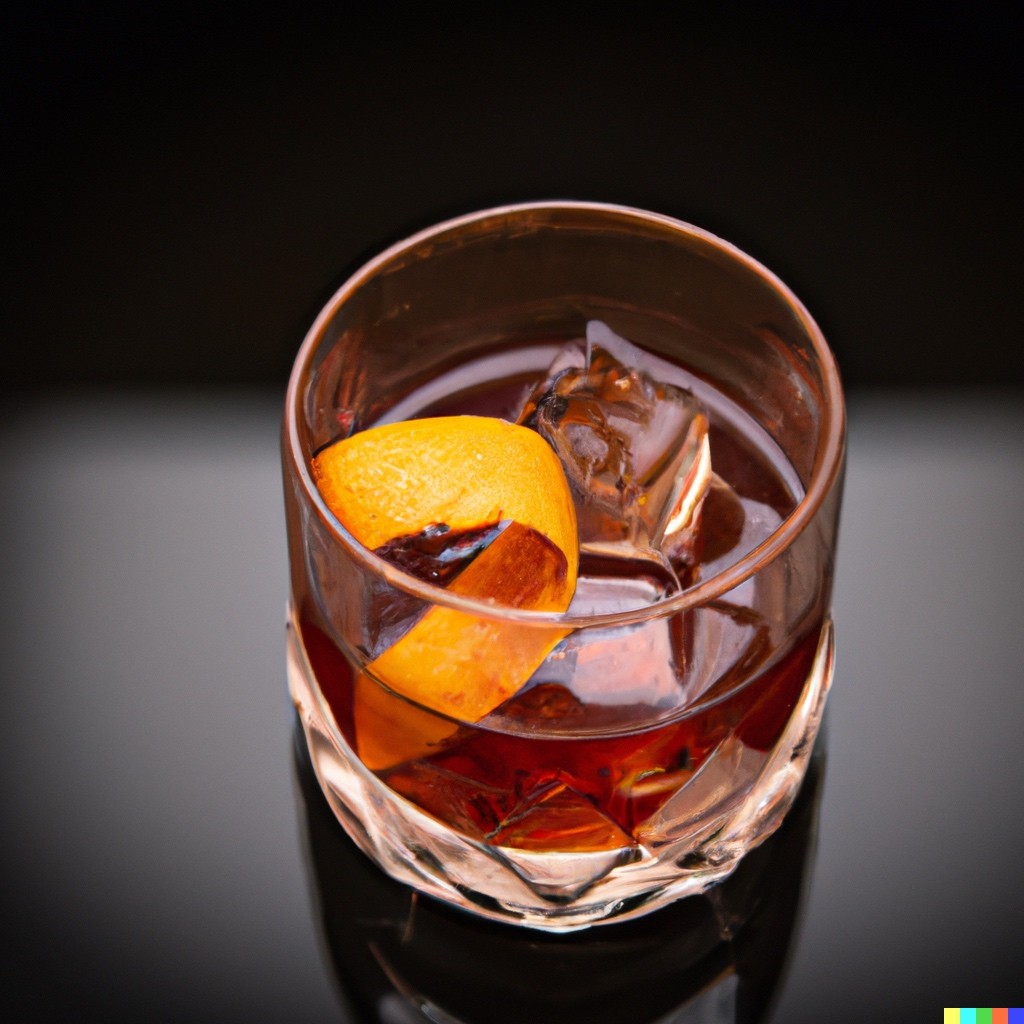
(390, 730)
(398, 479)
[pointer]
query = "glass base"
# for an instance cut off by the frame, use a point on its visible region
(733, 803)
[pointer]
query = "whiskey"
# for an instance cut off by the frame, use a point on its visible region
(596, 743)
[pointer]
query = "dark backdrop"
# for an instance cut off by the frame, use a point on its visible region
(187, 183)
(184, 185)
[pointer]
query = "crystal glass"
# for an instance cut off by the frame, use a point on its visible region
(719, 957)
(665, 726)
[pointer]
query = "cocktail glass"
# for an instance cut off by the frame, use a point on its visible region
(667, 727)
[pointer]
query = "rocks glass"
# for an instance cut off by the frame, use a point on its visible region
(665, 726)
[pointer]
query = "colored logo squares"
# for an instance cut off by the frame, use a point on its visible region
(983, 1015)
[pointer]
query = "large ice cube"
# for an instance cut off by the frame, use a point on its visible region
(635, 450)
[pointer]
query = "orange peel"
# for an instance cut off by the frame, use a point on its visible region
(398, 479)
(390, 730)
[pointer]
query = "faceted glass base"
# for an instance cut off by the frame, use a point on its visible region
(736, 799)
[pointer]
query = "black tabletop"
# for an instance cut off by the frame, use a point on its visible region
(165, 856)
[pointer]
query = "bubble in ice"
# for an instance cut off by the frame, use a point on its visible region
(635, 450)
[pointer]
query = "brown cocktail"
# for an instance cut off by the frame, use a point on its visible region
(562, 484)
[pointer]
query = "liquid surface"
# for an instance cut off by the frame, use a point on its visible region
(752, 490)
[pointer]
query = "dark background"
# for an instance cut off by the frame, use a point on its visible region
(184, 187)
(188, 182)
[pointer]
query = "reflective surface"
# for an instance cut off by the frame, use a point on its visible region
(154, 863)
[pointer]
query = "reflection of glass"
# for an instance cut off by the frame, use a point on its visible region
(647, 738)
(714, 958)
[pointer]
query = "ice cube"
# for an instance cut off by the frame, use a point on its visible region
(559, 810)
(635, 450)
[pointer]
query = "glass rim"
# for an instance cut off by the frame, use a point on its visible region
(827, 462)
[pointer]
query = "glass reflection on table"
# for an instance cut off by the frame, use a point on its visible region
(717, 958)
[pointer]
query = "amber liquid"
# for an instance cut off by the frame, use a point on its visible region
(566, 764)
